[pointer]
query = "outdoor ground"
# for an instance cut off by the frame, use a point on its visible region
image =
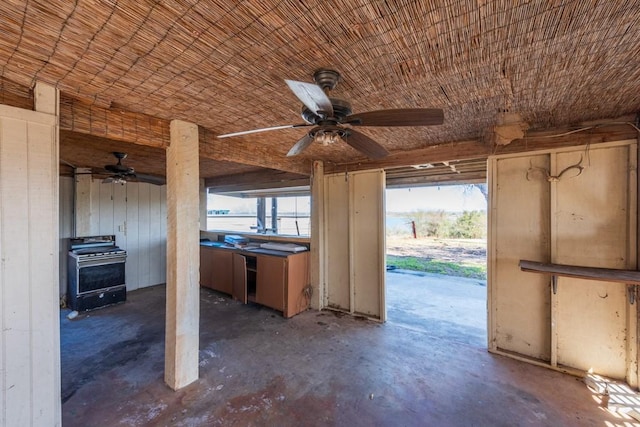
(456, 257)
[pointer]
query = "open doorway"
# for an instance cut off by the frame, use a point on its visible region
(436, 249)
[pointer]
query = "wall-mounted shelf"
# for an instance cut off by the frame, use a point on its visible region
(628, 277)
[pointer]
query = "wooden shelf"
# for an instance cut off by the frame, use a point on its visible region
(629, 277)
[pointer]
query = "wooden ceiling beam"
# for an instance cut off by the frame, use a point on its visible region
(255, 181)
(582, 134)
(119, 125)
(136, 128)
(238, 151)
(460, 150)
(445, 179)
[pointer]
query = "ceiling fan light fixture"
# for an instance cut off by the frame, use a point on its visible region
(119, 180)
(327, 137)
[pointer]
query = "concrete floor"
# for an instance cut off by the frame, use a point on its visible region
(427, 366)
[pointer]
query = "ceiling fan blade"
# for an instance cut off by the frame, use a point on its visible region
(365, 145)
(247, 132)
(300, 146)
(398, 117)
(312, 96)
(150, 179)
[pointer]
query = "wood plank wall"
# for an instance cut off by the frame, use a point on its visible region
(29, 315)
(136, 213)
(584, 220)
(354, 250)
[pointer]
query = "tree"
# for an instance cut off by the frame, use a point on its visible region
(483, 188)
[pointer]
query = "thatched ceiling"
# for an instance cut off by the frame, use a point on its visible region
(221, 64)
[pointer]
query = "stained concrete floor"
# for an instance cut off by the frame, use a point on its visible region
(427, 366)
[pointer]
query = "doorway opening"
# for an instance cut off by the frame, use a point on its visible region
(436, 251)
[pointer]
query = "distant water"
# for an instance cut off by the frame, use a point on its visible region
(395, 221)
(286, 225)
(291, 226)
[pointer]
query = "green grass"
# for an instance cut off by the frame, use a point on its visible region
(438, 267)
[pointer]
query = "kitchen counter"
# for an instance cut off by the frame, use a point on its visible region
(246, 250)
(270, 277)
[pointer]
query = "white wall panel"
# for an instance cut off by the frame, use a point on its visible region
(94, 206)
(16, 283)
(29, 239)
(156, 240)
(133, 247)
(105, 210)
(120, 214)
(66, 218)
(43, 274)
(144, 254)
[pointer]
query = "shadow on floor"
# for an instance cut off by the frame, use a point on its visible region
(317, 368)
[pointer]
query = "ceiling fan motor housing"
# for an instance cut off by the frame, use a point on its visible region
(341, 109)
(119, 168)
(326, 79)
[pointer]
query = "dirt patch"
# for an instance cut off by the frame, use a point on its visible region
(460, 251)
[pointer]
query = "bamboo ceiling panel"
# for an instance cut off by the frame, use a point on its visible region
(221, 64)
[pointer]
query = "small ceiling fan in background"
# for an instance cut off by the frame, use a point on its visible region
(331, 120)
(119, 173)
(122, 173)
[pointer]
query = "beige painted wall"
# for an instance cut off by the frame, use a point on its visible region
(29, 315)
(520, 311)
(586, 220)
(353, 231)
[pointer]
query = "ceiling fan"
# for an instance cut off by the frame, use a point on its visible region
(331, 120)
(122, 173)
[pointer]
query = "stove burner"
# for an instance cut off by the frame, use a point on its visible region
(98, 251)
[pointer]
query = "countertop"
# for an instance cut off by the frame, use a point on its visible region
(247, 251)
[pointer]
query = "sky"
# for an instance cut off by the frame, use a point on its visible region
(449, 198)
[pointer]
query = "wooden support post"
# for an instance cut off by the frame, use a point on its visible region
(317, 236)
(183, 260)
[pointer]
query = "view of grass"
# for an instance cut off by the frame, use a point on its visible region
(438, 267)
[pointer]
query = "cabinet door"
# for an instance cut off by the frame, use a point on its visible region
(239, 291)
(297, 280)
(222, 270)
(271, 281)
(206, 267)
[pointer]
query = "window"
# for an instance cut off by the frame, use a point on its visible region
(286, 215)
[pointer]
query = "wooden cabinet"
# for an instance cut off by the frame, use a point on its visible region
(271, 281)
(206, 267)
(239, 279)
(216, 269)
(278, 281)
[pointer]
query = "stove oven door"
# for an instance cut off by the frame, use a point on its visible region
(95, 282)
(93, 276)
